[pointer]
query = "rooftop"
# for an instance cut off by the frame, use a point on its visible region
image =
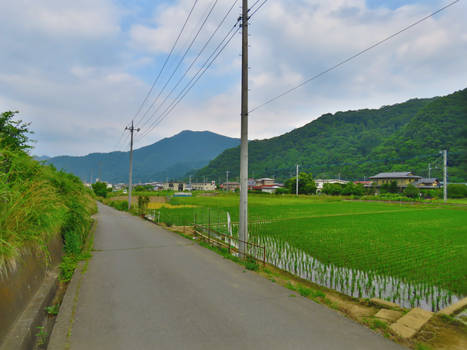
(396, 175)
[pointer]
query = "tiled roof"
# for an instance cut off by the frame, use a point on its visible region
(396, 175)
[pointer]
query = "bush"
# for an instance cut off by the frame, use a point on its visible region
(100, 189)
(457, 191)
(411, 191)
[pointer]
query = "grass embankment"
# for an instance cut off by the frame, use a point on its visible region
(37, 203)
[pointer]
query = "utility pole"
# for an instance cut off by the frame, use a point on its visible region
(296, 183)
(227, 180)
(429, 170)
(445, 180)
(243, 214)
(130, 185)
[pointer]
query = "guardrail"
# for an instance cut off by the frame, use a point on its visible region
(222, 240)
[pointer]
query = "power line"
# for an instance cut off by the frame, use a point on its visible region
(252, 6)
(351, 57)
(258, 8)
(194, 61)
(188, 87)
(180, 61)
(194, 79)
(166, 60)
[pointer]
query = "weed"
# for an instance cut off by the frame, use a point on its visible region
(41, 336)
(290, 286)
(421, 346)
(379, 324)
(251, 265)
(304, 291)
(53, 309)
(317, 294)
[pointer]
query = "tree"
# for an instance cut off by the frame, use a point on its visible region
(306, 184)
(332, 189)
(100, 189)
(411, 191)
(14, 133)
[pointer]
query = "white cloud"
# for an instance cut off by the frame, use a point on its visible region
(80, 66)
(84, 18)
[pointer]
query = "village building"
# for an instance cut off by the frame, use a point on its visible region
(402, 179)
(320, 183)
(230, 186)
(175, 186)
(204, 186)
(427, 183)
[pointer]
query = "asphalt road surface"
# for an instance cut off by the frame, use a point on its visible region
(147, 288)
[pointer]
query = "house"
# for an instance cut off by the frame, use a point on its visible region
(266, 185)
(265, 182)
(207, 186)
(401, 178)
(230, 186)
(427, 183)
(174, 186)
(320, 183)
(270, 188)
(364, 183)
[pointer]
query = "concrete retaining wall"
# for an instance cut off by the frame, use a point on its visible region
(19, 284)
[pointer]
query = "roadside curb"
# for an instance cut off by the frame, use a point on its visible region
(63, 324)
(22, 335)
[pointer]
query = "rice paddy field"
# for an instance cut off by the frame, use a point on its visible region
(412, 254)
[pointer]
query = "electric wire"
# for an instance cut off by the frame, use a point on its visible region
(350, 58)
(179, 62)
(191, 83)
(258, 8)
(167, 59)
(193, 62)
(162, 69)
(252, 6)
(194, 80)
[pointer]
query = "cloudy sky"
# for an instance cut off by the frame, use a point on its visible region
(79, 70)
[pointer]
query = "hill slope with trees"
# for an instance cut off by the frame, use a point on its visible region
(358, 144)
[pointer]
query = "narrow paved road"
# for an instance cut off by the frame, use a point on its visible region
(147, 288)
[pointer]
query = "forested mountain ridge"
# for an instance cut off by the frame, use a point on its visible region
(358, 144)
(169, 158)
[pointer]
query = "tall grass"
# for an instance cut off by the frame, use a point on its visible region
(36, 203)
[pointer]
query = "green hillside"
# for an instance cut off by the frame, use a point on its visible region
(358, 144)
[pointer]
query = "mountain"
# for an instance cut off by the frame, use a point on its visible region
(40, 158)
(358, 144)
(171, 157)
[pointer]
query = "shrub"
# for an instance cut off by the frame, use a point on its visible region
(457, 191)
(411, 191)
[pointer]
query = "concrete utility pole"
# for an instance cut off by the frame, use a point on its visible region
(429, 170)
(227, 180)
(296, 182)
(445, 180)
(130, 185)
(243, 214)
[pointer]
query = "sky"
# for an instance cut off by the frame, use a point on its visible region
(80, 70)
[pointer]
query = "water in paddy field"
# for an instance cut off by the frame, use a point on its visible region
(354, 282)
